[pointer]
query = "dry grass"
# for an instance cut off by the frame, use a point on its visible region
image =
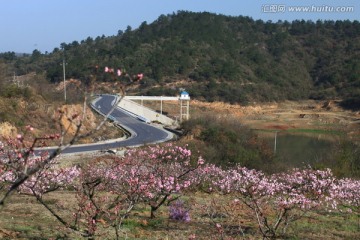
(23, 218)
(307, 114)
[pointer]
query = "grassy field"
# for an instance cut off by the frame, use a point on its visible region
(23, 218)
(303, 116)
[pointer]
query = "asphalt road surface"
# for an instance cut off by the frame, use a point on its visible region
(141, 132)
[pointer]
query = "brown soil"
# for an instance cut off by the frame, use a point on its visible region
(310, 114)
(73, 115)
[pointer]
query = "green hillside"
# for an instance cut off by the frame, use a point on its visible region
(217, 57)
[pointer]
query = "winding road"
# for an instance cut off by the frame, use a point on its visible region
(141, 132)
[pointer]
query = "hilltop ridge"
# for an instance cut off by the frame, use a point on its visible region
(219, 58)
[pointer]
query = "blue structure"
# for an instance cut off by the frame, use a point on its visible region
(184, 105)
(184, 95)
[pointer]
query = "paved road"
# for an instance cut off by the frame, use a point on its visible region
(142, 133)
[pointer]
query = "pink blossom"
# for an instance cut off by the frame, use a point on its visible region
(140, 76)
(109, 70)
(29, 128)
(201, 161)
(118, 72)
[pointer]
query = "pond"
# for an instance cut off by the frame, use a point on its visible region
(298, 150)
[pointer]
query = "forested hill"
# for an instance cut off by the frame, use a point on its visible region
(217, 57)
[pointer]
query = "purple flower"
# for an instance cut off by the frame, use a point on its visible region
(178, 211)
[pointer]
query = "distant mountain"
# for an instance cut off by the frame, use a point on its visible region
(217, 57)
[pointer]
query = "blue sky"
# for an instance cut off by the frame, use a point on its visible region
(26, 25)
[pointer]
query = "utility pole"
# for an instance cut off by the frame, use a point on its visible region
(275, 142)
(64, 79)
(63, 64)
(14, 80)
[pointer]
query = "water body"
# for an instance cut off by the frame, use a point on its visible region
(298, 150)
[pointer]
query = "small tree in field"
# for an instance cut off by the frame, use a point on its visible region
(278, 200)
(347, 192)
(169, 169)
(108, 189)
